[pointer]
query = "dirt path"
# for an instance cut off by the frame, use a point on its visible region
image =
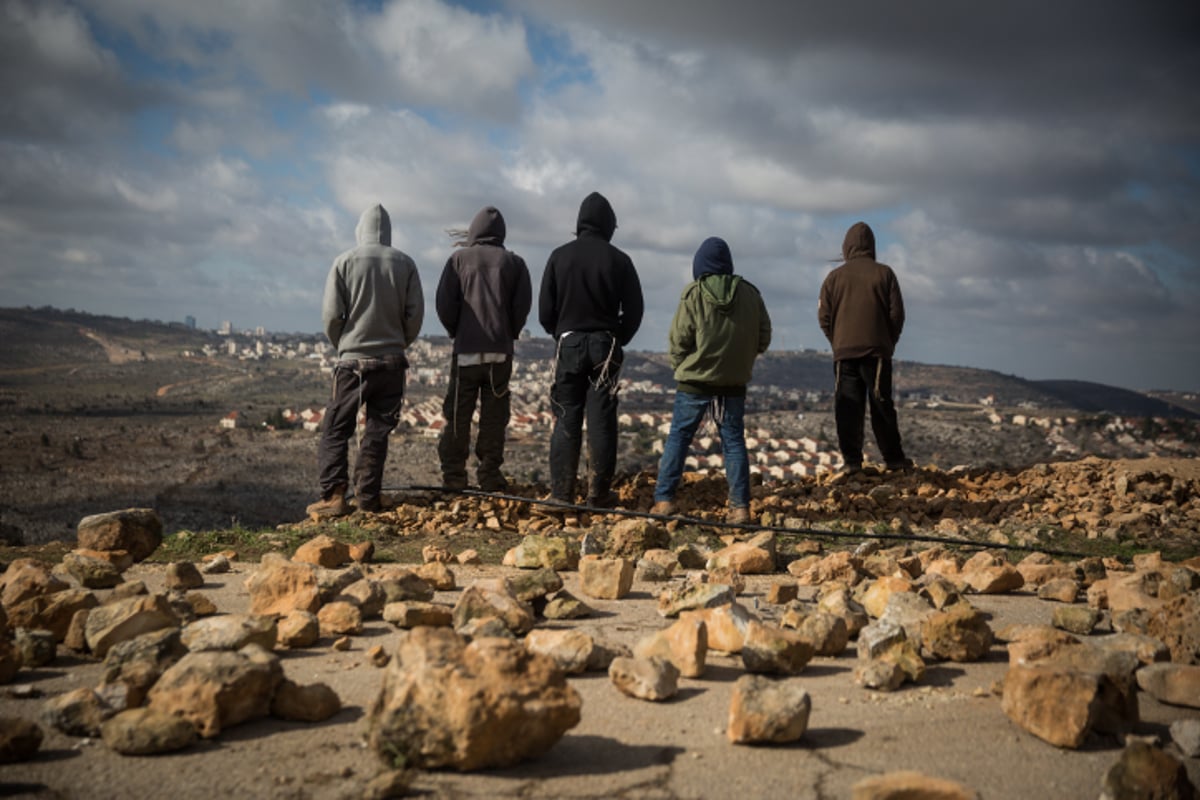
(951, 726)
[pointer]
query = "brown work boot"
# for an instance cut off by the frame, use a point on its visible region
(334, 505)
(738, 515)
(664, 507)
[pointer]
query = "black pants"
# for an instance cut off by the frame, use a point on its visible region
(487, 385)
(586, 372)
(377, 386)
(859, 381)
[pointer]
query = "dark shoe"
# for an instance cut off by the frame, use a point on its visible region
(738, 515)
(609, 500)
(900, 466)
(370, 506)
(497, 484)
(334, 505)
(665, 507)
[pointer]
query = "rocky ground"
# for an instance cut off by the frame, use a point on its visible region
(989, 665)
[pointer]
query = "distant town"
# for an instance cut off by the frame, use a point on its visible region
(775, 454)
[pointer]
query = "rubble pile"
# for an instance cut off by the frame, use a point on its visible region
(485, 681)
(1093, 498)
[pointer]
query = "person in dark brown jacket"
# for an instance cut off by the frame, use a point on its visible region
(861, 312)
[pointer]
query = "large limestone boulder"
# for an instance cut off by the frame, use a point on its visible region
(766, 710)
(137, 531)
(218, 689)
(279, 586)
(1062, 692)
(684, 644)
(51, 612)
(113, 623)
(493, 598)
(490, 703)
(631, 538)
(27, 578)
(1177, 624)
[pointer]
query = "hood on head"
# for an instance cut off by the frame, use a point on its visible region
(859, 242)
(374, 226)
(713, 258)
(596, 216)
(487, 227)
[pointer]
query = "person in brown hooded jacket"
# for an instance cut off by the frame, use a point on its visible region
(861, 312)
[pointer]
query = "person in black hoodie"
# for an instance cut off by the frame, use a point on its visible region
(591, 303)
(483, 300)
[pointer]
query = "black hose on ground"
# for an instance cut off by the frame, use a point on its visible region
(744, 526)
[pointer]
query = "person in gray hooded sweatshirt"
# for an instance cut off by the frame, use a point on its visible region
(483, 300)
(372, 311)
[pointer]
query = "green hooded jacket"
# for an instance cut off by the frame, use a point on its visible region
(720, 327)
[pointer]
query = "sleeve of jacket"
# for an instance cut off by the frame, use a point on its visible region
(548, 300)
(333, 305)
(895, 309)
(449, 298)
(522, 298)
(825, 309)
(764, 326)
(632, 304)
(681, 339)
(414, 307)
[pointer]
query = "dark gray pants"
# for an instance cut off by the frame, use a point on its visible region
(377, 386)
(863, 381)
(586, 372)
(487, 385)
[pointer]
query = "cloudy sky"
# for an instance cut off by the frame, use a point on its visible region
(1031, 169)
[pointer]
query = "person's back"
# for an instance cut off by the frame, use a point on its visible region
(373, 305)
(590, 284)
(861, 309)
(730, 328)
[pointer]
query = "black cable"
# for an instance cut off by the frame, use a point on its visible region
(746, 526)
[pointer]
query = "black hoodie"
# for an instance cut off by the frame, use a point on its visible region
(484, 294)
(590, 285)
(861, 310)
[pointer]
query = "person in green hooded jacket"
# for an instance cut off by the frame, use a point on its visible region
(719, 329)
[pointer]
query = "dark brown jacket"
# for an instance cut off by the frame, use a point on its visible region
(861, 310)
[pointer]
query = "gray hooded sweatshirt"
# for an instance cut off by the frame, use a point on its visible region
(373, 303)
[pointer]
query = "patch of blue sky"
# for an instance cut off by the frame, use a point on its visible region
(559, 64)
(152, 129)
(139, 64)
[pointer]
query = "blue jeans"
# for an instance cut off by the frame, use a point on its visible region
(685, 419)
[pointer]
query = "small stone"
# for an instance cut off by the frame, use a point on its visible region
(342, 644)
(19, 739)
(183, 575)
(147, 731)
(906, 785)
(1186, 735)
(605, 578)
(1080, 620)
(338, 618)
(1145, 771)
(378, 656)
(765, 710)
(298, 629)
(323, 551)
(312, 703)
(644, 678)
